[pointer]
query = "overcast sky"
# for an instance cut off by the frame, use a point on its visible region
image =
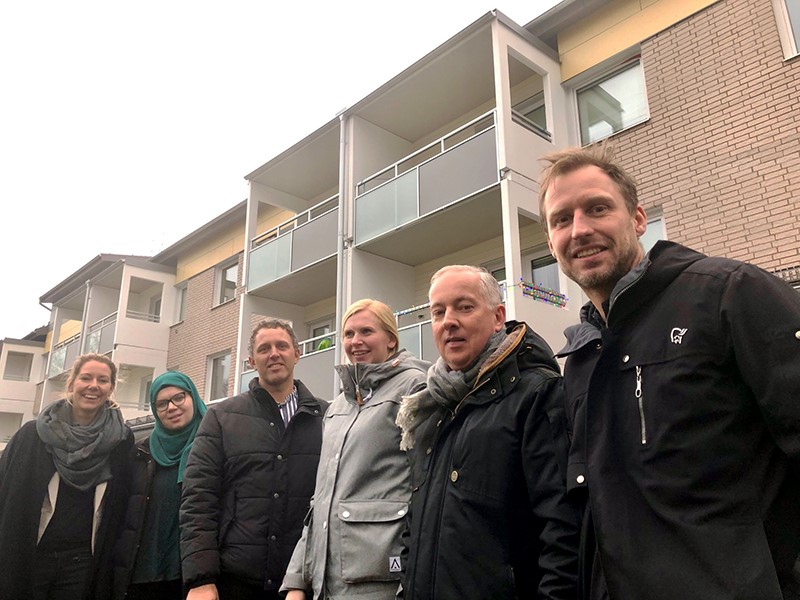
(125, 126)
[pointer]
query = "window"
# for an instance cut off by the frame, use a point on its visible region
(615, 102)
(182, 292)
(544, 273)
(317, 330)
(220, 372)
(9, 424)
(787, 13)
(18, 366)
(226, 282)
(655, 231)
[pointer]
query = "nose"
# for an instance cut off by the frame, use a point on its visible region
(581, 225)
(449, 319)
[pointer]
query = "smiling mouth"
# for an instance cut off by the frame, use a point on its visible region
(588, 252)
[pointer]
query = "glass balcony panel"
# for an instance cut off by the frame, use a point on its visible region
(459, 172)
(418, 339)
(314, 240)
(270, 261)
(386, 207)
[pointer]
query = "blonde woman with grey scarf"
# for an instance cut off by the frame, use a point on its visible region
(63, 481)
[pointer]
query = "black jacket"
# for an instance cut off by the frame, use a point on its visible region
(25, 470)
(247, 487)
(489, 518)
(143, 468)
(686, 417)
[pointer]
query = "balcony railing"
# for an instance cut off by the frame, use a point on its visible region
(299, 242)
(100, 338)
(63, 355)
(453, 167)
(143, 316)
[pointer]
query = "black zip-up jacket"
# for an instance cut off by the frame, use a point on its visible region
(489, 517)
(685, 411)
(247, 487)
(143, 468)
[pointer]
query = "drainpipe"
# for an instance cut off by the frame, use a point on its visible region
(341, 239)
(85, 320)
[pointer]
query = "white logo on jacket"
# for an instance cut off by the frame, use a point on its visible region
(676, 335)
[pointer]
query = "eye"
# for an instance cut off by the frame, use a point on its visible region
(436, 313)
(559, 221)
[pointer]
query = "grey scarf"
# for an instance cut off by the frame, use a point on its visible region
(444, 388)
(80, 452)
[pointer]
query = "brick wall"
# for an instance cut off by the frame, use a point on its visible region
(205, 330)
(721, 151)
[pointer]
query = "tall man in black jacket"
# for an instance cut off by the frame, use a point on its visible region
(683, 390)
(489, 517)
(250, 477)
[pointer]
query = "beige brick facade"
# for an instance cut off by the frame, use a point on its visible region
(720, 154)
(206, 330)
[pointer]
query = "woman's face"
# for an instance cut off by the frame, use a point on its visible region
(174, 407)
(365, 339)
(90, 390)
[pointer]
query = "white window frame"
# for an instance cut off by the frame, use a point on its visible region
(210, 378)
(181, 295)
(220, 280)
(630, 59)
(788, 31)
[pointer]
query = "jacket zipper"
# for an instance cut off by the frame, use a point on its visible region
(640, 398)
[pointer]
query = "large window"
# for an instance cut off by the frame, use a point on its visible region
(787, 13)
(18, 366)
(219, 367)
(614, 102)
(544, 273)
(226, 282)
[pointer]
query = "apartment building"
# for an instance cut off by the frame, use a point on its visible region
(439, 165)
(20, 369)
(115, 305)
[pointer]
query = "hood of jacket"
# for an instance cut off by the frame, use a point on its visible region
(368, 377)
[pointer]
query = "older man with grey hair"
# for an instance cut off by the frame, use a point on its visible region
(488, 448)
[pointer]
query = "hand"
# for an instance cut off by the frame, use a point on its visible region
(203, 592)
(293, 595)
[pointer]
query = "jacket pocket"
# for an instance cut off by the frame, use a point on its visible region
(370, 539)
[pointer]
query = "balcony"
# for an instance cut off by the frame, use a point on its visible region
(459, 171)
(100, 338)
(63, 355)
(306, 243)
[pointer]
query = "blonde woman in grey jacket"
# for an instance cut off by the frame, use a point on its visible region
(351, 547)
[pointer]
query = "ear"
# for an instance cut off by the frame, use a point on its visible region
(296, 355)
(550, 246)
(499, 317)
(250, 362)
(639, 221)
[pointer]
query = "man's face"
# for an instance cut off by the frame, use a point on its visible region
(462, 319)
(591, 232)
(274, 357)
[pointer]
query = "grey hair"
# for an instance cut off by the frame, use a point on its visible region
(490, 288)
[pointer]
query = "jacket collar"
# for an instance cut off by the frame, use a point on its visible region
(641, 284)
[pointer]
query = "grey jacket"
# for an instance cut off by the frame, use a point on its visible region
(351, 547)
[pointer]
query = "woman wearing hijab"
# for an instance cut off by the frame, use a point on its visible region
(147, 557)
(350, 546)
(63, 489)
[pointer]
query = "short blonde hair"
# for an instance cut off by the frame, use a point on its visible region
(381, 311)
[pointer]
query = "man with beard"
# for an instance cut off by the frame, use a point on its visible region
(250, 477)
(683, 393)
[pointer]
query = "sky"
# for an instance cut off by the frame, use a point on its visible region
(126, 126)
